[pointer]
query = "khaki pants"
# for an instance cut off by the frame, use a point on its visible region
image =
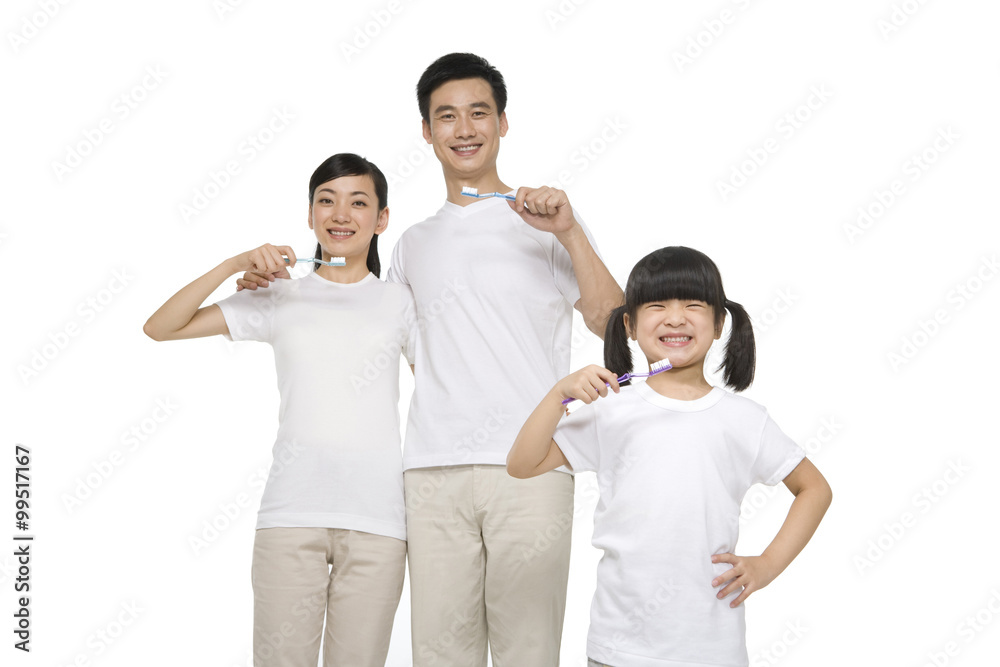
(300, 575)
(489, 561)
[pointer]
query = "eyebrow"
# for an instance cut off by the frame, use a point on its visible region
(356, 192)
(472, 105)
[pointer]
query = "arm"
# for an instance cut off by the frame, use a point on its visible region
(812, 498)
(181, 317)
(548, 209)
(534, 451)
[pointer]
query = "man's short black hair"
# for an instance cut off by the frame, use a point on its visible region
(459, 66)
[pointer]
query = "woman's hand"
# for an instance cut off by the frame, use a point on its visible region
(265, 259)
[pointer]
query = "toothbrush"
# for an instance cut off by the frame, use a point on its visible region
(658, 367)
(473, 192)
(334, 261)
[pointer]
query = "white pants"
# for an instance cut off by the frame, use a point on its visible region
(300, 575)
(489, 561)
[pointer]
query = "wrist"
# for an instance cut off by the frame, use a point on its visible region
(572, 237)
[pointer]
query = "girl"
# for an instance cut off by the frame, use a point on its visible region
(674, 457)
(330, 537)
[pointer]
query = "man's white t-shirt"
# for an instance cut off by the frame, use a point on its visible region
(494, 303)
(671, 476)
(337, 457)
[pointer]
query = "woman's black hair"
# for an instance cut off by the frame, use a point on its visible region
(349, 164)
(682, 273)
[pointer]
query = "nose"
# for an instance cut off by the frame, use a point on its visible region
(342, 212)
(673, 315)
(464, 127)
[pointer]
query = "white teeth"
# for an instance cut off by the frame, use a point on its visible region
(465, 149)
(341, 234)
(675, 339)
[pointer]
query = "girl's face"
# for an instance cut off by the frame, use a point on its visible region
(679, 330)
(344, 216)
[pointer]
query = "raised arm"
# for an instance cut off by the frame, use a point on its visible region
(812, 498)
(548, 209)
(534, 451)
(182, 317)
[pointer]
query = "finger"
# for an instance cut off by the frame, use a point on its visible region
(740, 598)
(610, 378)
(724, 558)
(733, 586)
(273, 260)
(522, 192)
(724, 577)
(289, 253)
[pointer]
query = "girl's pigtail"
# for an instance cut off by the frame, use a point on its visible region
(741, 352)
(617, 353)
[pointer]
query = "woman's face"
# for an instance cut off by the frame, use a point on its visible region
(344, 215)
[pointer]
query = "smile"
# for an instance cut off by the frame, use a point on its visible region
(466, 150)
(340, 235)
(675, 340)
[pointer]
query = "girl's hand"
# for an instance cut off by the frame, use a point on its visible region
(587, 384)
(751, 572)
(266, 259)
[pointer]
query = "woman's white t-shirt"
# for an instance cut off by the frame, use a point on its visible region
(671, 476)
(337, 459)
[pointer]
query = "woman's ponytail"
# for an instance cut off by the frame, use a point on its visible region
(617, 353)
(741, 351)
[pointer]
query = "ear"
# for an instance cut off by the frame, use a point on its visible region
(503, 124)
(628, 329)
(722, 323)
(383, 220)
(309, 217)
(425, 128)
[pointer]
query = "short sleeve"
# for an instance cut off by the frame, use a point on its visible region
(396, 273)
(562, 265)
(577, 437)
(249, 314)
(776, 457)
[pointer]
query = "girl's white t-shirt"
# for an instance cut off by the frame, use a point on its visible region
(337, 460)
(495, 303)
(672, 475)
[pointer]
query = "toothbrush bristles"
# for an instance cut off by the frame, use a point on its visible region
(470, 191)
(662, 365)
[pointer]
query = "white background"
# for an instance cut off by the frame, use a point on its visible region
(90, 251)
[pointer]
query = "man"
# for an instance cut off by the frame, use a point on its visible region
(494, 283)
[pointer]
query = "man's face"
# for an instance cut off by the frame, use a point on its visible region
(465, 128)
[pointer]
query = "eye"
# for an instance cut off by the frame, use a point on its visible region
(325, 200)
(360, 203)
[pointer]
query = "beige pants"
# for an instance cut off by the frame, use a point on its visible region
(489, 560)
(300, 575)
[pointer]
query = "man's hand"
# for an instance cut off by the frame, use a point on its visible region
(544, 208)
